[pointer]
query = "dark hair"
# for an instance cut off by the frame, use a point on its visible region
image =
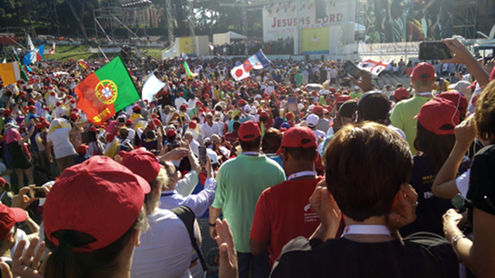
(374, 107)
(65, 263)
(485, 113)
(253, 145)
(302, 154)
(92, 136)
(435, 148)
(365, 164)
(271, 140)
(236, 125)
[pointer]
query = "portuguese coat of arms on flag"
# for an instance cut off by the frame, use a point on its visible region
(106, 92)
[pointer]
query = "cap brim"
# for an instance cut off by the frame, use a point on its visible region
(144, 184)
(19, 215)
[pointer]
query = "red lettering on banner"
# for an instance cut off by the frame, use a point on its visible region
(340, 17)
(274, 22)
(278, 22)
(332, 18)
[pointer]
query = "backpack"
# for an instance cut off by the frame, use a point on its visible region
(187, 216)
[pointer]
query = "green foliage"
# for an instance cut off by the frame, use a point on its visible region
(74, 18)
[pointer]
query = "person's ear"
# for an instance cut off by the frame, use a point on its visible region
(136, 238)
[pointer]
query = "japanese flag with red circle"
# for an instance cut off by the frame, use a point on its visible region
(239, 72)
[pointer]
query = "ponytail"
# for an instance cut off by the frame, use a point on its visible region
(65, 263)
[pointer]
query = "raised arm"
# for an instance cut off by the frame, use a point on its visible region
(444, 185)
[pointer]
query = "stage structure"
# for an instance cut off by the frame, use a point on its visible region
(316, 26)
(131, 14)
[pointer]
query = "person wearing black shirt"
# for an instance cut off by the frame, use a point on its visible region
(478, 254)
(367, 167)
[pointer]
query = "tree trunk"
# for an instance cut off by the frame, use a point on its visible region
(78, 19)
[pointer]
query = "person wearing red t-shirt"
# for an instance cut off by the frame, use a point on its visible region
(283, 211)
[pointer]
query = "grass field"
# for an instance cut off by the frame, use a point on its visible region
(76, 52)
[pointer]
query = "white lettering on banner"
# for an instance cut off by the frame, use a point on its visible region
(281, 20)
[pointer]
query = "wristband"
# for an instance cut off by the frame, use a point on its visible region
(211, 225)
(456, 238)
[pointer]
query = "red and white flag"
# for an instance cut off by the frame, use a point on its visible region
(240, 72)
(52, 49)
(372, 66)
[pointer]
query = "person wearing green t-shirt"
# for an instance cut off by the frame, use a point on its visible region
(403, 115)
(240, 182)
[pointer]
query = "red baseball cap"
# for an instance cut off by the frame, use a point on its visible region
(249, 131)
(298, 137)
(141, 162)
(423, 71)
(99, 197)
(82, 149)
(8, 218)
(171, 132)
(492, 75)
(439, 116)
(457, 99)
(3, 182)
(192, 124)
(401, 93)
(318, 110)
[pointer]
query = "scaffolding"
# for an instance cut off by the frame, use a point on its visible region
(465, 18)
(110, 19)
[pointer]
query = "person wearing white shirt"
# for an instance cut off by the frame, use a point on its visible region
(199, 202)
(179, 101)
(209, 128)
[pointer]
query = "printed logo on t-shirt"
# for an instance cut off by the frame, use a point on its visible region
(309, 214)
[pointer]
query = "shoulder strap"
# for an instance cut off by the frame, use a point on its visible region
(187, 216)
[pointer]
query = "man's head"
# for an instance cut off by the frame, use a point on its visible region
(346, 114)
(374, 107)
(271, 140)
(312, 121)
(362, 191)
(298, 145)
(423, 77)
(145, 164)
(249, 136)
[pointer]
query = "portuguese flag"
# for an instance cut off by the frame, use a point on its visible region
(106, 91)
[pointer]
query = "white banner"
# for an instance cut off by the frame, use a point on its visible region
(280, 21)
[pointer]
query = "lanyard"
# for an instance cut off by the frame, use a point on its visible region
(425, 94)
(166, 194)
(366, 230)
(301, 174)
(251, 153)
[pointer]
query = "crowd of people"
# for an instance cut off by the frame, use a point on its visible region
(341, 180)
(249, 47)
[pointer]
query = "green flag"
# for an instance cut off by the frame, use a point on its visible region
(189, 73)
(21, 66)
(106, 92)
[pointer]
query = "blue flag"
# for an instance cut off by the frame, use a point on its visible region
(34, 55)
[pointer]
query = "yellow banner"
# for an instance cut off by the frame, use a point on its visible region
(186, 45)
(315, 40)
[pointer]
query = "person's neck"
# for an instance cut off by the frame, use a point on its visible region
(418, 91)
(365, 238)
(299, 166)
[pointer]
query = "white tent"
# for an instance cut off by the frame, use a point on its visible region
(223, 38)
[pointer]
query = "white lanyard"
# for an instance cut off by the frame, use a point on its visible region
(425, 94)
(301, 174)
(251, 153)
(366, 230)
